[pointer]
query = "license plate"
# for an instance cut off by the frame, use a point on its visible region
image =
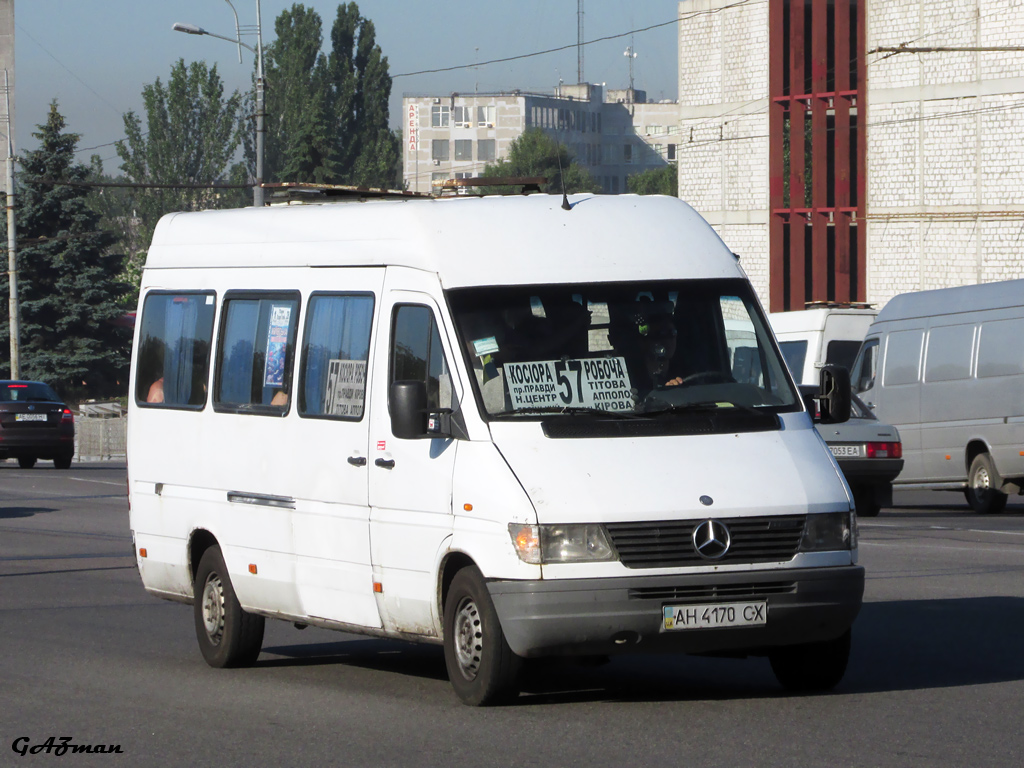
(711, 616)
(30, 417)
(845, 450)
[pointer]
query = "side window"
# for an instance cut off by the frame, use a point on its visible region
(335, 348)
(173, 363)
(417, 355)
(949, 353)
(256, 349)
(865, 367)
(1000, 352)
(902, 358)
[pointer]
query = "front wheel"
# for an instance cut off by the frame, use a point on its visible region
(482, 668)
(228, 636)
(812, 667)
(981, 491)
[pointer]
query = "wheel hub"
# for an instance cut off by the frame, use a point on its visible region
(213, 608)
(468, 638)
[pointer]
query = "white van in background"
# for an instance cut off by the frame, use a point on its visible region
(491, 423)
(822, 335)
(946, 367)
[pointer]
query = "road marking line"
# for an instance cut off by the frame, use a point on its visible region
(101, 482)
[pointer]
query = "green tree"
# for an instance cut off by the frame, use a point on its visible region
(300, 140)
(69, 285)
(535, 153)
(367, 149)
(657, 181)
(192, 133)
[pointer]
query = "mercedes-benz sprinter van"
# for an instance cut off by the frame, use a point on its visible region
(513, 426)
(946, 367)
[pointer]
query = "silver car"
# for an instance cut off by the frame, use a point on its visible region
(869, 453)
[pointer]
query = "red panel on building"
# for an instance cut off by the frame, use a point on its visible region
(817, 154)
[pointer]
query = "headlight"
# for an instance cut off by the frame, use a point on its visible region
(579, 543)
(829, 532)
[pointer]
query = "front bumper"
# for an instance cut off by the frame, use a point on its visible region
(602, 616)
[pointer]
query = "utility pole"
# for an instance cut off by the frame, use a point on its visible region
(7, 63)
(579, 41)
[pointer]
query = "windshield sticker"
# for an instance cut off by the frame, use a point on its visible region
(346, 388)
(486, 346)
(277, 345)
(596, 383)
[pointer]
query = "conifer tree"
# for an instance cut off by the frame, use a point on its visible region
(69, 286)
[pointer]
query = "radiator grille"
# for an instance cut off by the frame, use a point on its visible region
(746, 591)
(667, 544)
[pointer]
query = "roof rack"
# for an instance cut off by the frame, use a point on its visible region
(837, 305)
(528, 183)
(289, 192)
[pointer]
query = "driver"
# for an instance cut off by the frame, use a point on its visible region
(658, 344)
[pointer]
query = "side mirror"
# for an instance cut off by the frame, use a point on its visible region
(410, 418)
(834, 395)
(408, 404)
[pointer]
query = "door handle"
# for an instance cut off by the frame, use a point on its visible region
(386, 463)
(357, 461)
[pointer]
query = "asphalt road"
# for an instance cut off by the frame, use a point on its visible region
(936, 676)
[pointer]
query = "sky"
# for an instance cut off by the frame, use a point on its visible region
(95, 56)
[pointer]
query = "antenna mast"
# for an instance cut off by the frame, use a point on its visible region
(579, 41)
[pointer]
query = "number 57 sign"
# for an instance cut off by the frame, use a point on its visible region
(601, 382)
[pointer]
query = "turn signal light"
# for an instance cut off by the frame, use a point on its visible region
(885, 450)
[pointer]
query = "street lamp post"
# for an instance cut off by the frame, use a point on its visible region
(192, 29)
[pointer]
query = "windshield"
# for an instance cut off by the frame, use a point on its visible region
(619, 348)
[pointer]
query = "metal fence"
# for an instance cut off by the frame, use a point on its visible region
(100, 432)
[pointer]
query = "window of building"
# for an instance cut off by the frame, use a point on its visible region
(417, 354)
(463, 116)
(627, 154)
(485, 117)
(439, 116)
(335, 348)
(463, 149)
(439, 149)
(257, 344)
(173, 360)
(670, 151)
(485, 150)
(439, 177)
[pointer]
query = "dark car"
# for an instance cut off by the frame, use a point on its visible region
(35, 424)
(869, 453)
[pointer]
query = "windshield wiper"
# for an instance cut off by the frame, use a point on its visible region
(569, 410)
(721, 406)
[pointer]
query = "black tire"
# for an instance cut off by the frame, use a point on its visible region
(981, 492)
(812, 667)
(864, 500)
(482, 668)
(228, 636)
(26, 462)
(63, 461)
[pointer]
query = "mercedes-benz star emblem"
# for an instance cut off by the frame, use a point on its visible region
(711, 539)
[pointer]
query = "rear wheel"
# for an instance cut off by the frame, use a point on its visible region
(864, 500)
(228, 636)
(63, 461)
(812, 667)
(26, 462)
(981, 492)
(482, 668)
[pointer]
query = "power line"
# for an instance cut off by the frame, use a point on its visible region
(680, 18)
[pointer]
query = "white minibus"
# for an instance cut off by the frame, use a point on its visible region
(946, 368)
(820, 335)
(514, 426)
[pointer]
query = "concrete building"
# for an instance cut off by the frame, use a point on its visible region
(902, 171)
(614, 134)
